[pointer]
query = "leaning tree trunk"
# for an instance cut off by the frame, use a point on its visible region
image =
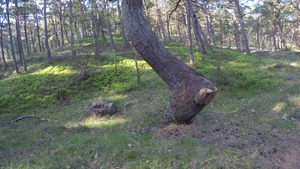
(190, 90)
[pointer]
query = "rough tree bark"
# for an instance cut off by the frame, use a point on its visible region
(101, 30)
(11, 37)
(190, 90)
(46, 32)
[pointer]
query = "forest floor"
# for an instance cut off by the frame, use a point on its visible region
(253, 122)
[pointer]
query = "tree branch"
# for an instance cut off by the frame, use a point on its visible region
(32, 116)
(172, 11)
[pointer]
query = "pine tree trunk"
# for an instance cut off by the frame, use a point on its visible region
(125, 40)
(46, 32)
(190, 90)
(109, 30)
(55, 29)
(61, 24)
(32, 39)
(189, 32)
(38, 31)
(257, 35)
(71, 28)
(199, 29)
(77, 33)
(179, 30)
(2, 48)
(11, 37)
(19, 40)
(95, 36)
(237, 36)
(26, 37)
(245, 40)
(161, 25)
(101, 30)
(207, 21)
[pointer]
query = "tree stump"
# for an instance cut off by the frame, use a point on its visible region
(103, 107)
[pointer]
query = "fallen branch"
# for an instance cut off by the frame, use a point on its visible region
(32, 116)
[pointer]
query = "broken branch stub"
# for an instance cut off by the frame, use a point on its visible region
(203, 97)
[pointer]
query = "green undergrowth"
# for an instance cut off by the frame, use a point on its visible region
(241, 127)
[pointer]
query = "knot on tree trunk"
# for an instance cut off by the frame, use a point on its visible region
(103, 107)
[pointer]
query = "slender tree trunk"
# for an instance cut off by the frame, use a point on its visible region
(61, 24)
(38, 31)
(199, 29)
(190, 90)
(207, 21)
(125, 40)
(32, 39)
(189, 32)
(77, 33)
(101, 30)
(280, 25)
(11, 38)
(95, 36)
(26, 37)
(55, 28)
(257, 34)
(245, 40)
(19, 40)
(109, 30)
(46, 32)
(71, 28)
(138, 77)
(7, 51)
(274, 38)
(2, 48)
(196, 30)
(84, 27)
(179, 30)
(161, 25)
(237, 36)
